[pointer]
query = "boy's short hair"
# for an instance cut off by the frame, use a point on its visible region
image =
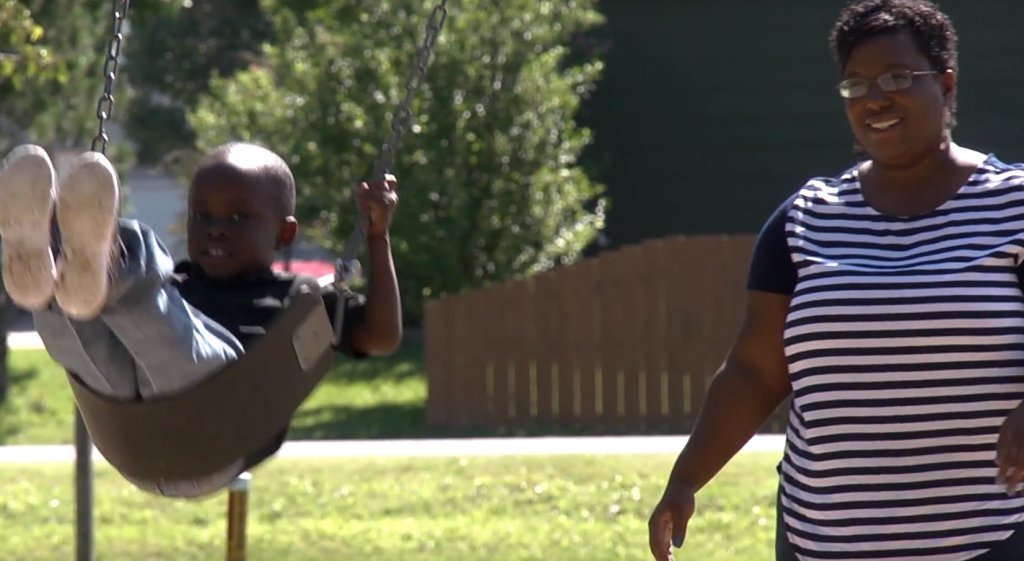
(257, 164)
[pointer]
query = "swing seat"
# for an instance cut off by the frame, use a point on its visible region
(228, 417)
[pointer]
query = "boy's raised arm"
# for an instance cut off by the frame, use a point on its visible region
(381, 331)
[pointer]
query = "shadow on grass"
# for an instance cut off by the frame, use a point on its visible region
(405, 363)
(333, 422)
(330, 422)
(9, 426)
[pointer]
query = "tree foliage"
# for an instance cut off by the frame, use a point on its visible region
(52, 101)
(21, 55)
(490, 182)
(176, 49)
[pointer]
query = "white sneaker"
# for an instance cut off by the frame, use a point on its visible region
(87, 205)
(27, 189)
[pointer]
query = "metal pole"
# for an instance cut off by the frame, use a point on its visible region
(84, 536)
(238, 503)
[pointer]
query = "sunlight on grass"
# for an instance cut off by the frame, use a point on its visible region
(563, 508)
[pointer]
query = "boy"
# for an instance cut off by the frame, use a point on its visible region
(111, 306)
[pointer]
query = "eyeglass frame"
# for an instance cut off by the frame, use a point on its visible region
(877, 80)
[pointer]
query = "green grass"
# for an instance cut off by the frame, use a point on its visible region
(562, 508)
(39, 408)
(382, 397)
(375, 398)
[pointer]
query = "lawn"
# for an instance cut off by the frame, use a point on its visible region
(560, 508)
(378, 398)
(563, 508)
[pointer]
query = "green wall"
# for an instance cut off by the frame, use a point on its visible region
(710, 112)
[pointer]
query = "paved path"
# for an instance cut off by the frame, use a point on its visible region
(547, 446)
(24, 340)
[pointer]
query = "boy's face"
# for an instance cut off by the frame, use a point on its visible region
(235, 225)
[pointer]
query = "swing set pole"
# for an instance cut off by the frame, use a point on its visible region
(238, 506)
(84, 534)
(85, 537)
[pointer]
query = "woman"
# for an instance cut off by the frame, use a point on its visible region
(887, 301)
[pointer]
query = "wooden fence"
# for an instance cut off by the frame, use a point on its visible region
(625, 341)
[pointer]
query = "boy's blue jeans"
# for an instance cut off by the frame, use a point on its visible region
(147, 341)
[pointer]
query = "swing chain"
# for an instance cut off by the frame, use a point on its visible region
(403, 114)
(348, 267)
(105, 106)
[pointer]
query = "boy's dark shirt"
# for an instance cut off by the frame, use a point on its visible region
(246, 306)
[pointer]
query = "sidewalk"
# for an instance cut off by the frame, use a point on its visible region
(494, 447)
(24, 340)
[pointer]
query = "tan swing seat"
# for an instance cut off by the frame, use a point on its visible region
(229, 416)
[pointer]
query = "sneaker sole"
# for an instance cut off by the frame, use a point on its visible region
(27, 186)
(87, 205)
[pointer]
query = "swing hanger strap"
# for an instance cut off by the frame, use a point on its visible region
(105, 106)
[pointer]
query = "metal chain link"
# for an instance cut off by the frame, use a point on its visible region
(105, 106)
(348, 266)
(403, 114)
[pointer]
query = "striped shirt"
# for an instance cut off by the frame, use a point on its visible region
(905, 346)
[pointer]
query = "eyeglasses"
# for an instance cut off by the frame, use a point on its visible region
(893, 81)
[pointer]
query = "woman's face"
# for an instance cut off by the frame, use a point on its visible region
(897, 127)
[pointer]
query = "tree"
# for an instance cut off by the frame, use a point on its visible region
(490, 181)
(176, 50)
(21, 56)
(57, 108)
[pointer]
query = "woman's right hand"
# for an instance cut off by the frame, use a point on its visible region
(667, 525)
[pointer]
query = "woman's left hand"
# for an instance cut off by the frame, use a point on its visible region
(1010, 450)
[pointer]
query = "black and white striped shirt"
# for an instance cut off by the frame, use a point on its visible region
(905, 346)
